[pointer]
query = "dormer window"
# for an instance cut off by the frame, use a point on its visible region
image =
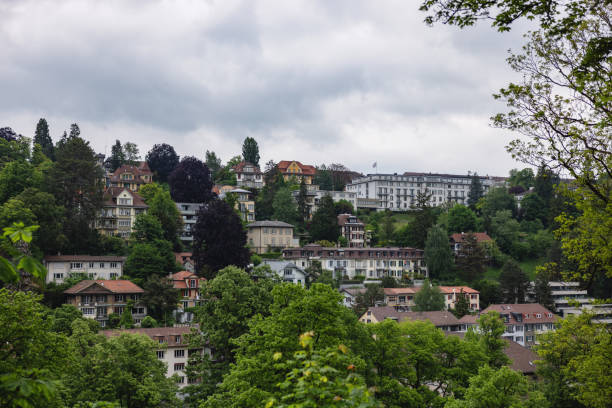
(539, 315)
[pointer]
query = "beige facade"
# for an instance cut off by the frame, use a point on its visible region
(119, 211)
(264, 236)
(61, 267)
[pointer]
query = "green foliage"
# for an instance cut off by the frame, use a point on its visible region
(344, 207)
(148, 322)
(161, 298)
(575, 362)
(490, 329)
(250, 151)
(147, 228)
(497, 199)
(522, 178)
(17, 148)
(429, 298)
(213, 162)
(490, 292)
(150, 190)
(15, 177)
(150, 259)
(285, 208)
(373, 293)
(49, 238)
(513, 282)
(462, 305)
(414, 234)
(117, 157)
(506, 232)
(164, 209)
(11, 271)
(324, 225)
(126, 321)
(43, 139)
(461, 219)
(62, 318)
(476, 191)
(471, 259)
(162, 159)
(438, 254)
(543, 292)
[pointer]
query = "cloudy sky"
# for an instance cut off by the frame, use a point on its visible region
(317, 81)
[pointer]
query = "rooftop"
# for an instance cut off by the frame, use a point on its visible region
(84, 258)
(113, 286)
(269, 224)
(442, 318)
(167, 334)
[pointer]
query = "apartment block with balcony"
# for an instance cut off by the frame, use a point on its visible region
(189, 214)
(373, 263)
(248, 175)
(245, 204)
(352, 230)
(524, 322)
(265, 236)
(131, 177)
(174, 349)
(119, 211)
(562, 294)
(399, 192)
(97, 299)
(60, 267)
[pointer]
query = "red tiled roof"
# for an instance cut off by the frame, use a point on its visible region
(183, 275)
(457, 289)
(469, 319)
(137, 171)
(399, 291)
(531, 309)
(114, 286)
(111, 194)
(167, 334)
(306, 169)
(480, 237)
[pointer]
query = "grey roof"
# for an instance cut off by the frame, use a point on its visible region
(269, 224)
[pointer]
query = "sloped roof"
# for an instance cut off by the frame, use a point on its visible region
(114, 286)
(238, 168)
(111, 194)
(399, 291)
(531, 309)
(480, 237)
(137, 171)
(441, 318)
(168, 334)
(457, 289)
(267, 223)
(84, 258)
(306, 169)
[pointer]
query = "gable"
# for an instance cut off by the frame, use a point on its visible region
(95, 288)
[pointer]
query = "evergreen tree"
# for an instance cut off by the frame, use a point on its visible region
(218, 239)
(214, 163)
(462, 305)
(471, 259)
(324, 225)
(161, 298)
(476, 191)
(284, 206)
(43, 138)
(543, 293)
(429, 298)
(513, 282)
(162, 159)
(438, 254)
(250, 151)
(117, 157)
(303, 209)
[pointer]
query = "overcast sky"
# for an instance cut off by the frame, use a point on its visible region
(352, 82)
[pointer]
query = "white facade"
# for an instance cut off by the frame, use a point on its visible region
(399, 192)
(189, 213)
(287, 271)
(94, 267)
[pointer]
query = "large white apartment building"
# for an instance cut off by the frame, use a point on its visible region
(60, 267)
(399, 192)
(373, 263)
(189, 213)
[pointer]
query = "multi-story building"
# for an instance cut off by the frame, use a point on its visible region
(245, 203)
(399, 192)
(266, 236)
(524, 322)
(373, 263)
(352, 230)
(97, 299)
(60, 267)
(173, 348)
(287, 271)
(404, 297)
(563, 293)
(189, 214)
(119, 211)
(292, 168)
(248, 175)
(444, 321)
(131, 177)
(189, 284)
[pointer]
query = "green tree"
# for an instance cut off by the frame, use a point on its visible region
(490, 292)
(461, 219)
(522, 178)
(148, 322)
(575, 360)
(476, 191)
(150, 190)
(250, 151)
(438, 254)
(534, 208)
(285, 208)
(543, 292)
(490, 330)
(15, 177)
(162, 159)
(148, 259)
(499, 388)
(43, 138)
(513, 282)
(161, 298)
(164, 209)
(126, 321)
(462, 305)
(117, 157)
(344, 207)
(147, 228)
(131, 153)
(12, 146)
(471, 259)
(429, 298)
(373, 293)
(415, 233)
(302, 206)
(324, 223)
(498, 199)
(49, 238)
(506, 232)
(214, 163)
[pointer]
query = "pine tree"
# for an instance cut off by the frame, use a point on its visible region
(303, 209)
(43, 138)
(513, 282)
(117, 157)
(429, 299)
(438, 255)
(471, 259)
(462, 305)
(250, 151)
(324, 224)
(476, 191)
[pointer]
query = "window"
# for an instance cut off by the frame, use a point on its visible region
(102, 265)
(160, 354)
(519, 339)
(548, 314)
(125, 201)
(185, 292)
(76, 265)
(125, 211)
(138, 310)
(91, 264)
(88, 310)
(118, 310)
(113, 265)
(101, 298)
(179, 353)
(518, 328)
(529, 338)
(86, 299)
(58, 276)
(180, 379)
(125, 223)
(101, 311)
(119, 298)
(178, 339)
(113, 275)
(135, 297)
(538, 315)
(192, 283)
(179, 366)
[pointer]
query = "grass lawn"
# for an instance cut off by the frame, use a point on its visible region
(528, 266)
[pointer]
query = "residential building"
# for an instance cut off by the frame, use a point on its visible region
(562, 294)
(245, 203)
(399, 192)
(119, 210)
(97, 299)
(373, 263)
(314, 197)
(457, 240)
(287, 271)
(445, 320)
(524, 322)
(131, 177)
(266, 236)
(248, 175)
(404, 297)
(184, 259)
(189, 284)
(350, 295)
(602, 312)
(352, 230)
(60, 267)
(292, 168)
(189, 214)
(173, 348)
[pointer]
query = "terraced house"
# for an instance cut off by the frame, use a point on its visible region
(373, 263)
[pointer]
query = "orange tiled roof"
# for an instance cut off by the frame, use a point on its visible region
(480, 237)
(111, 194)
(457, 289)
(114, 286)
(305, 168)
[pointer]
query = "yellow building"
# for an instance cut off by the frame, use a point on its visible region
(298, 170)
(119, 211)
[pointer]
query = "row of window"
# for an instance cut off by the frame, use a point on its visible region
(102, 311)
(79, 265)
(288, 231)
(103, 298)
(113, 275)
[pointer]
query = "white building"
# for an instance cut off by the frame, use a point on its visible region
(189, 214)
(314, 197)
(373, 263)
(399, 192)
(562, 293)
(287, 271)
(60, 267)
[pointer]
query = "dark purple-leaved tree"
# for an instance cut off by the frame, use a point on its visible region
(218, 239)
(162, 159)
(191, 182)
